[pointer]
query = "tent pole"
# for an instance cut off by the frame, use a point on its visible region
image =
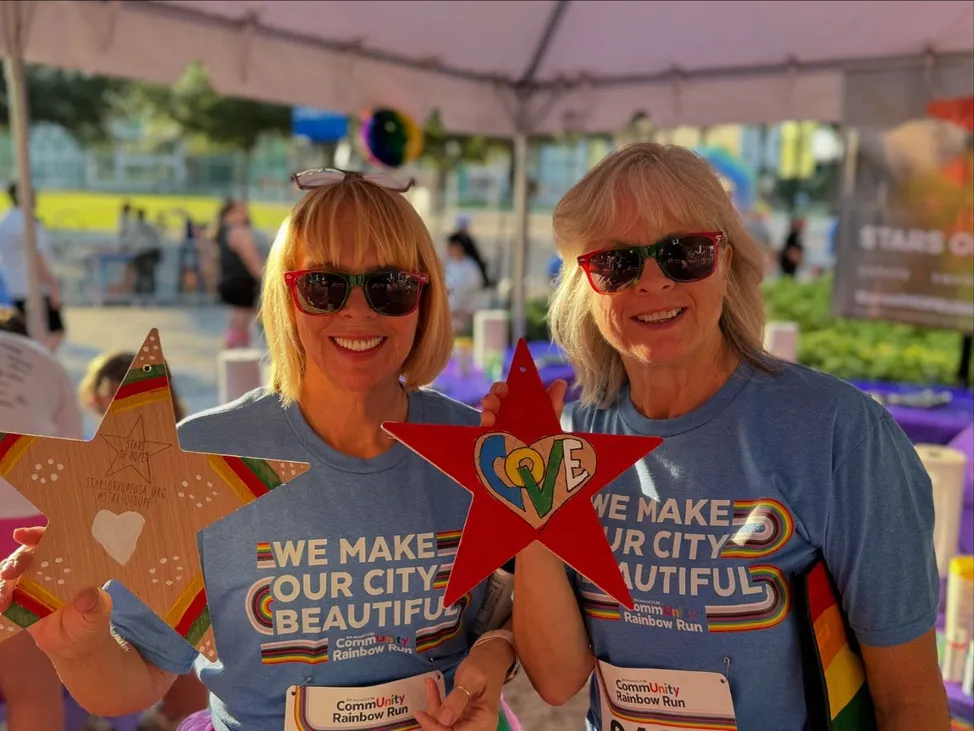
(523, 125)
(521, 218)
(13, 24)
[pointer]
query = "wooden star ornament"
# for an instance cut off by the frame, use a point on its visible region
(127, 506)
(530, 481)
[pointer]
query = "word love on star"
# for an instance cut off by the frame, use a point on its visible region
(127, 506)
(529, 482)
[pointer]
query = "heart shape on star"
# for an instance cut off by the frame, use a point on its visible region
(534, 480)
(118, 534)
(529, 481)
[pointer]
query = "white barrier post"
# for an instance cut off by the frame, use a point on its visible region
(781, 340)
(239, 371)
(490, 336)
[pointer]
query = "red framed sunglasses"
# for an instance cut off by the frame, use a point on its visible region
(681, 258)
(389, 292)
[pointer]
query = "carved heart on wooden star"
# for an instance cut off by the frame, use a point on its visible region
(534, 481)
(118, 534)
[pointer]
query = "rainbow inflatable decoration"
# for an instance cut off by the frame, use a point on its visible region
(390, 137)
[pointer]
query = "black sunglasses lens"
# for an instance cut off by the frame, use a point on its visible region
(615, 269)
(687, 258)
(322, 292)
(393, 293)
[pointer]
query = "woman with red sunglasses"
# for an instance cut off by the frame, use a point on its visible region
(766, 470)
(326, 595)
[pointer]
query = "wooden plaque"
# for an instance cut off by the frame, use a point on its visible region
(128, 504)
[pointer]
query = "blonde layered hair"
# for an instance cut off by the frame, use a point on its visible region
(670, 187)
(386, 224)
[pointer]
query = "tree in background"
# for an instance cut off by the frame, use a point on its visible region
(84, 105)
(227, 121)
(445, 152)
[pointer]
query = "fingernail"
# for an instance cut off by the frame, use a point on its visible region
(86, 601)
(446, 717)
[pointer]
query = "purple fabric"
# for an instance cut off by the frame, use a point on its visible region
(961, 706)
(469, 388)
(937, 425)
(964, 442)
(197, 722)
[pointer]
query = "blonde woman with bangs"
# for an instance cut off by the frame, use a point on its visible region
(767, 469)
(333, 581)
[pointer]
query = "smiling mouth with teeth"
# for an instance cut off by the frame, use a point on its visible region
(661, 316)
(358, 345)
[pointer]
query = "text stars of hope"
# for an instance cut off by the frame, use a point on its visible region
(358, 602)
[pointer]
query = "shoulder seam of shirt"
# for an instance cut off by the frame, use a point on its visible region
(828, 509)
(883, 420)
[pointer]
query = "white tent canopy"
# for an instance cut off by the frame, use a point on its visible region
(502, 67)
(588, 64)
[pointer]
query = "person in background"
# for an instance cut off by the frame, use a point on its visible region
(13, 264)
(144, 232)
(102, 379)
(36, 397)
(793, 252)
(125, 226)
(464, 284)
(240, 271)
(462, 237)
(190, 267)
(756, 223)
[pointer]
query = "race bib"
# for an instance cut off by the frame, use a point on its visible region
(664, 700)
(392, 705)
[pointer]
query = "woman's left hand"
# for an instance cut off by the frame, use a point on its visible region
(475, 701)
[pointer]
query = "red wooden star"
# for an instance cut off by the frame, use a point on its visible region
(530, 481)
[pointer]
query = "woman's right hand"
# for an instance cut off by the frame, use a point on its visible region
(72, 630)
(491, 403)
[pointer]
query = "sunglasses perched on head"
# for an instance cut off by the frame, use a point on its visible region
(390, 292)
(681, 258)
(320, 177)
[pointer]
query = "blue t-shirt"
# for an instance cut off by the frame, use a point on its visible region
(333, 579)
(745, 492)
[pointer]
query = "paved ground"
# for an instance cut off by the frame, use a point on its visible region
(191, 338)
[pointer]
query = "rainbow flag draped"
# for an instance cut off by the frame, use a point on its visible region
(836, 693)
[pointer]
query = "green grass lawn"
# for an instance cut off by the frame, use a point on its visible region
(87, 211)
